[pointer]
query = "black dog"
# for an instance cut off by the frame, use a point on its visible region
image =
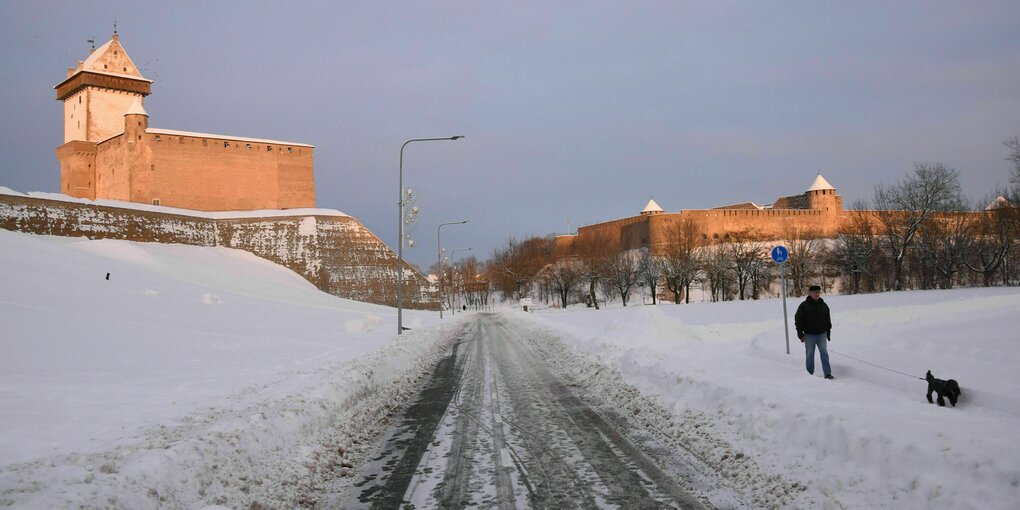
(949, 389)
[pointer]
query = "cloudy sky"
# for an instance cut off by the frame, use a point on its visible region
(573, 112)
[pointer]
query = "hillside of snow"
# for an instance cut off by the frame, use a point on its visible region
(191, 376)
(868, 439)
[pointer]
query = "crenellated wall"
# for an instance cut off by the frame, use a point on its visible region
(334, 252)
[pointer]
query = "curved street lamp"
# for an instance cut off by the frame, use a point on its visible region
(439, 260)
(400, 230)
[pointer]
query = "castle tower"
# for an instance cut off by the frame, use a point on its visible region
(136, 121)
(98, 92)
(651, 208)
(822, 196)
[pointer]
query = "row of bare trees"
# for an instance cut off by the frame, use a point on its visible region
(917, 233)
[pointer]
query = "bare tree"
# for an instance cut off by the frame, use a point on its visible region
(563, 276)
(715, 264)
(804, 261)
(855, 251)
(746, 257)
(516, 265)
(649, 271)
(904, 207)
(680, 261)
(593, 253)
(995, 234)
(622, 274)
(944, 241)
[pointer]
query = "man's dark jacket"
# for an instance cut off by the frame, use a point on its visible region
(812, 317)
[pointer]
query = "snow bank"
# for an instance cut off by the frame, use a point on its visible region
(191, 377)
(726, 390)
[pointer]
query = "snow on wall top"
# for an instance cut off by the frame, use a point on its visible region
(260, 213)
(223, 137)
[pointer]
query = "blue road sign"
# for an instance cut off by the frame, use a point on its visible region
(780, 254)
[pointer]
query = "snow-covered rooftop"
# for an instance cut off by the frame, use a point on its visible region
(224, 137)
(820, 184)
(136, 108)
(651, 207)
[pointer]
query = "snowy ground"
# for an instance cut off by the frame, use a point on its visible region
(203, 376)
(869, 439)
(192, 376)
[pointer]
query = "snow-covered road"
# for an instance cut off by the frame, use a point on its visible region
(496, 428)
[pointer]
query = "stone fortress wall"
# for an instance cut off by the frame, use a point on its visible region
(818, 211)
(336, 253)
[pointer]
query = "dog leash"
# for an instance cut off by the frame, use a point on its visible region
(876, 366)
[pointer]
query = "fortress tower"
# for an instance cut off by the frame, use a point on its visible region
(111, 152)
(95, 95)
(822, 196)
(98, 92)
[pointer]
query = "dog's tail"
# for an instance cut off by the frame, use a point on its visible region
(928, 376)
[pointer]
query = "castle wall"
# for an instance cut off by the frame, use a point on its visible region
(716, 225)
(205, 173)
(337, 254)
(113, 168)
(78, 169)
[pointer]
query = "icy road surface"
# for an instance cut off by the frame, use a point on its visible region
(495, 428)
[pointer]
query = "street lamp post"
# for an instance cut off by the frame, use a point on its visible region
(400, 230)
(439, 260)
(452, 308)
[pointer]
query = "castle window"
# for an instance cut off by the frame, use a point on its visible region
(158, 138)
(155, 201)
(269, 148)
(152, 168)
(226, 144)
(289, 150)
(247, 146)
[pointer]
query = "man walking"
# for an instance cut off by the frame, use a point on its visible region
(814, 328)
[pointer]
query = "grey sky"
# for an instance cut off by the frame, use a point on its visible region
(574, 112)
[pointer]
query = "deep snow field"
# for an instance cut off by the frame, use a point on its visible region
(868, 439)
(193, 376)
(196, 377)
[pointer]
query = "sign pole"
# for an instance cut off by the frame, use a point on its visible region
(780, 254)
(786, 320)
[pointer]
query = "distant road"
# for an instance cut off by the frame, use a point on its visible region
(494, 428)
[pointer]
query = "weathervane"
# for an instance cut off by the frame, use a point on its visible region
(92, 42)
(114, 27)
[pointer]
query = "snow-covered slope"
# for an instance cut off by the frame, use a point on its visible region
(190, 376)
(869, 439)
